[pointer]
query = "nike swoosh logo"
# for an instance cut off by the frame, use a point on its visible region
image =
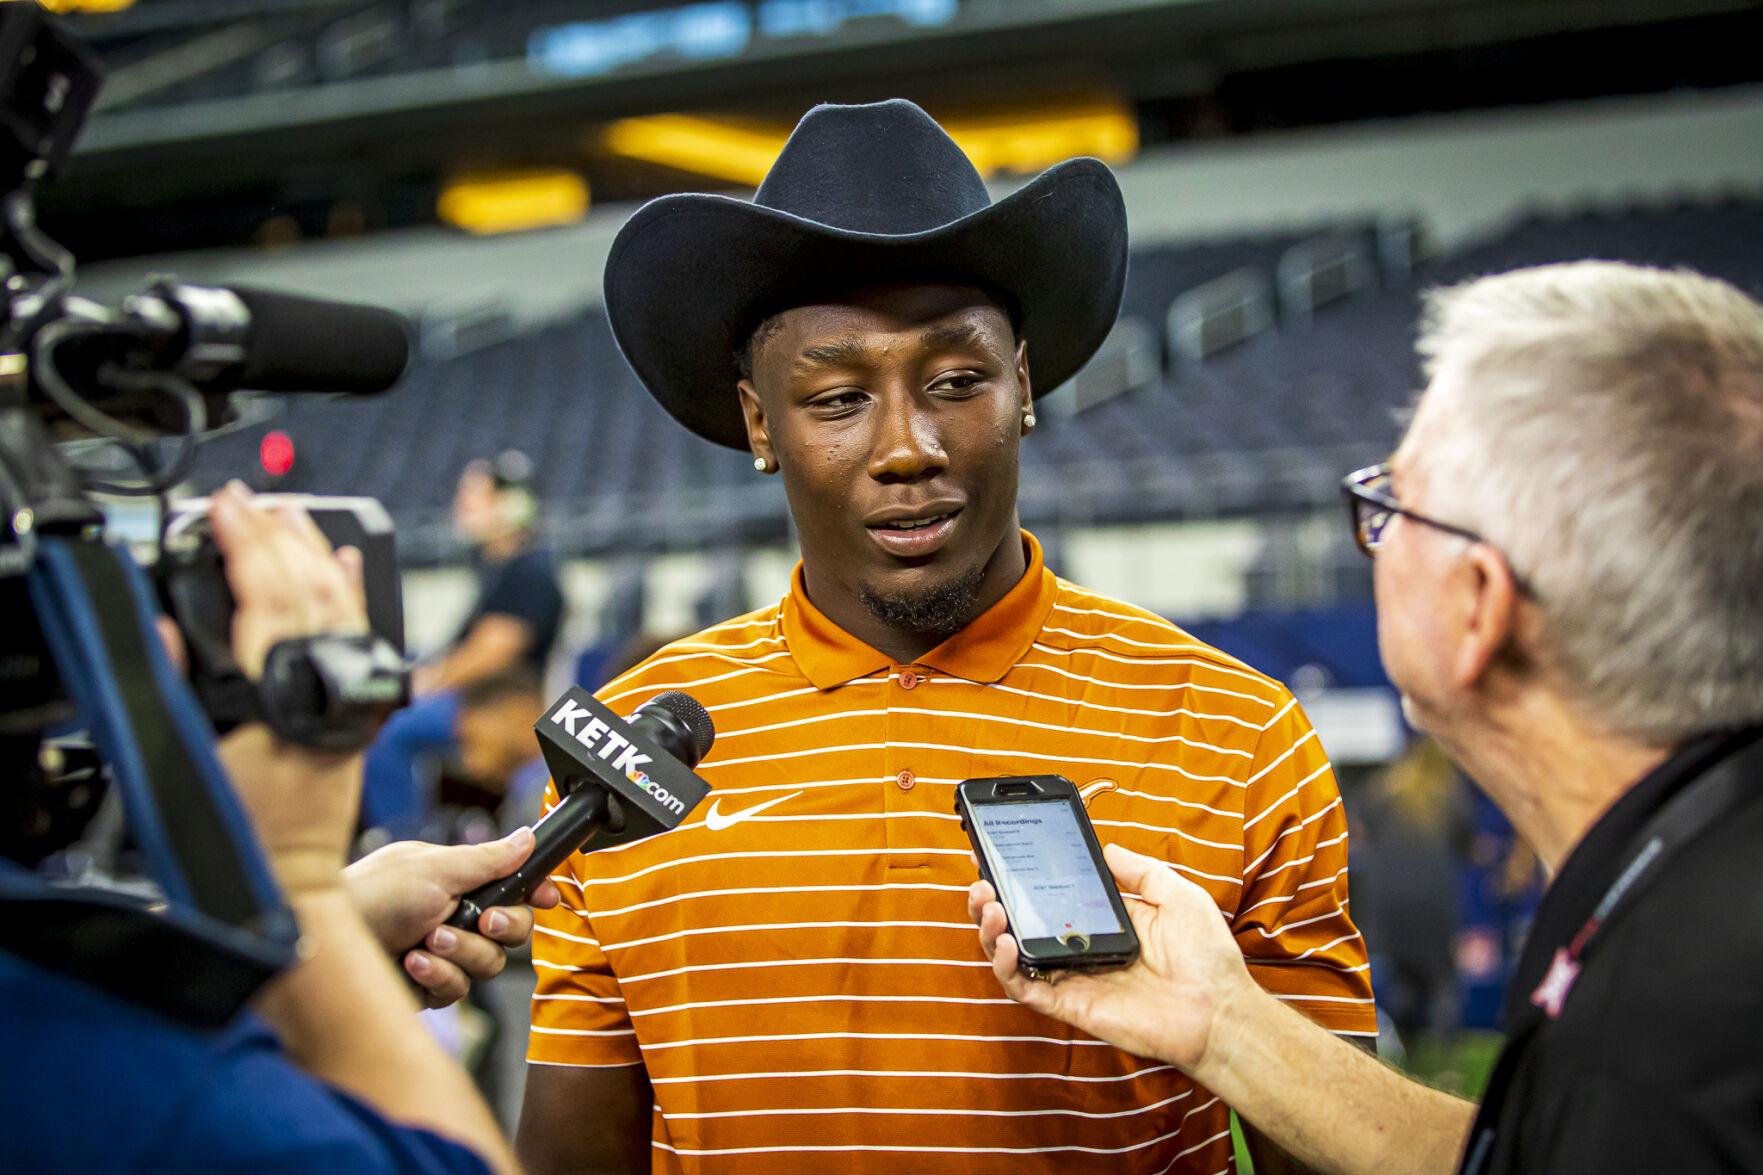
(715, 821)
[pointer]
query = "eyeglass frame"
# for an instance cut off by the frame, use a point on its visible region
(1355, 490)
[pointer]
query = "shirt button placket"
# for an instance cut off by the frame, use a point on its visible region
(888, 802)
(899, 776)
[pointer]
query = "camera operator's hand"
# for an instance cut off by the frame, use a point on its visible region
(1166, 1004)
(285, 578)
(288, 583)
(406, 890)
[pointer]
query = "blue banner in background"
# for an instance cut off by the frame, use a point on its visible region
(592, 48)
(1341, 641)
(709, 31)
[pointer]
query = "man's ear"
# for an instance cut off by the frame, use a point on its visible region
(758, 432)
(1492, 617)
(1028, 396)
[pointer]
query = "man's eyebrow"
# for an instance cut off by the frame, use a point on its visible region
(843, 353)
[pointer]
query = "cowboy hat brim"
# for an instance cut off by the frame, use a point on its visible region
(689, 277)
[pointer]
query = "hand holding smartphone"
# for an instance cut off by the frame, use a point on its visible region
(1037, 849)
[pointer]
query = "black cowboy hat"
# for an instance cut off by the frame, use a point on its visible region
(860, 196)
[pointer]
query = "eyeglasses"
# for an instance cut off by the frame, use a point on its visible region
(1371, 506)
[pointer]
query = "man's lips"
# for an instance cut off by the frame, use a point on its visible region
(913, 533)
(904, 514)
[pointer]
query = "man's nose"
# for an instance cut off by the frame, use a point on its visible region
(906, 445)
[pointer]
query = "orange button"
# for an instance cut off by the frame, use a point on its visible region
(905, 779)
(909, 679)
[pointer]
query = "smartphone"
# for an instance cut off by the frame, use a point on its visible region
(1037, 848)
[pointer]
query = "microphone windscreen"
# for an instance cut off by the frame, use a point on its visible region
(687, 708)
(636, 759)
(298, 344)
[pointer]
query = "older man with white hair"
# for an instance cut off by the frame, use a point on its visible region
(1569, 578)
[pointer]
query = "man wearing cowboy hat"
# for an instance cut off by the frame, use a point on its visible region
(786, 982)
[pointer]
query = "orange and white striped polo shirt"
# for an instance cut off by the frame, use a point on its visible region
(794, 964)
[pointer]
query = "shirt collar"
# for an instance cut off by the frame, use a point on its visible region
(984, 651)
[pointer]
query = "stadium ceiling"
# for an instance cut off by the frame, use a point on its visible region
(190, 71)
(278, 101)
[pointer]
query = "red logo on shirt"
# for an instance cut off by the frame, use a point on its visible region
(1551, 993)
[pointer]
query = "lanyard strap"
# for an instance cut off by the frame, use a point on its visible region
(1717, 792)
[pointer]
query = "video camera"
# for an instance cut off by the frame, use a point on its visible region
(88, 695)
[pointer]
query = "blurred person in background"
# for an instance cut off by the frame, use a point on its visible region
(497, 750)
(519, 604)
(498, 753)
(1501, 886)
(1568, 549)
(1411, 834)
(330, 1071)
(512, 626)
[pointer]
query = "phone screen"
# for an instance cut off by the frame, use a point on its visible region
(1045, 874)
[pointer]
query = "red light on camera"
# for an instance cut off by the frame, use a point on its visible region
(276, 453)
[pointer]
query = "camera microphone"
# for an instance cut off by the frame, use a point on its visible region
(262, 340)
(220, 340)
(620, 780)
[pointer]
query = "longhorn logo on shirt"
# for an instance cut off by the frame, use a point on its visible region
(1094, 788)
(605, 742)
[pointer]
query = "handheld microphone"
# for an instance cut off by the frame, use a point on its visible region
(620, 781)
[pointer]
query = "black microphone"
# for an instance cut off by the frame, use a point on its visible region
(221, 339)
(620, 781)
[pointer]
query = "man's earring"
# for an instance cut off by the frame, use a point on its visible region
(1028, 420)
(762, 465)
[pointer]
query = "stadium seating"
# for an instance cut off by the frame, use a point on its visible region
(1269, 424)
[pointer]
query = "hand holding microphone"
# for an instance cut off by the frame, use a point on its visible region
(406, 890)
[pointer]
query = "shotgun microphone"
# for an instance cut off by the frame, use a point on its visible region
(620, 780)
(220, 340)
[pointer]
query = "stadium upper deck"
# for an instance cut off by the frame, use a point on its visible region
(1265, 425)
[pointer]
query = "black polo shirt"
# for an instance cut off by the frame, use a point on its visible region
(526, 588)
(1644, 1053)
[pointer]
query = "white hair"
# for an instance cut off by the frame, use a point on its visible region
(1605, 432)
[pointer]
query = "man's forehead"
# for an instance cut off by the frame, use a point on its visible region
(896, 307)
(869, 326)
